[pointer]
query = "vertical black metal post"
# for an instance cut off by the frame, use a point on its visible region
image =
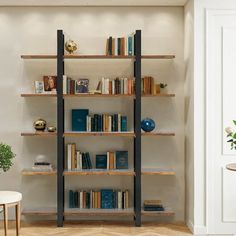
(60, 129)
(137, 129)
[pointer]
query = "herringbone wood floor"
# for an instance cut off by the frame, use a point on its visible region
(98, 229)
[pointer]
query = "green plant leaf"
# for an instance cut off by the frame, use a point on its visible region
(234, 122)
(231, 140)
(234, 135)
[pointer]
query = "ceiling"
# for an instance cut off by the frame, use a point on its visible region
(92, 2)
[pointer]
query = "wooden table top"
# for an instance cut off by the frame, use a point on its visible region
(231, 166)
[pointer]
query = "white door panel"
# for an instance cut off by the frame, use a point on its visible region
(220, 113)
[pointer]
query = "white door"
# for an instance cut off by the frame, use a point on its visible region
(220, 113)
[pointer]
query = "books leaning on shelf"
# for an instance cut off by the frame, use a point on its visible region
(106, 123)
(112, 160)
(148, 86)
(72, 86)
(120, 46)
(99, 199)
(153, 205)
(77, 160)
(116, 86)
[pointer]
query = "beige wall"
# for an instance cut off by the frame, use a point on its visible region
(33, 30)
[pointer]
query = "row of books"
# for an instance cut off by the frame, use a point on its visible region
(77, 160)
(72, 86)
(99, 199)
(82, 121)
(106, 123)
(148, 86)
(153, 205)
(120, 46)
(116, 86)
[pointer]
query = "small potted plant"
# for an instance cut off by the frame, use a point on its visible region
(6, 157)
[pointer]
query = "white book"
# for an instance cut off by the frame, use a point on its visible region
(69, 154)
(64, 78)
(87, 123)
(81, 199)
(119, 122)
(107, 86)
(126, 45)
(116, 46)
(108, 160)
(125, 85)
(103, 85)
(79, 167)
(122, 85)
(119, 199)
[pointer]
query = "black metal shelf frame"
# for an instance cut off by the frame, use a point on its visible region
(60, 129)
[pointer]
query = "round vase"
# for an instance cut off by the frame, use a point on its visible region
(148, 125)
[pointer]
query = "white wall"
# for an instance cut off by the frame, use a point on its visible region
(33, 30)
(189, 110)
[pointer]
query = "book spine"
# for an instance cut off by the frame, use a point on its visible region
(108, 159)
(81, 199)
(64, 84)
(69, 156)
(119, 122)
(119, 199)
(110, 46)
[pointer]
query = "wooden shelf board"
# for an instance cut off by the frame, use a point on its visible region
(77, 134)
(38, 56)
(98, 212)
(98, 95)
(100, 172)
(158, 56)
(43, 134)
(158, 213)
(38, 95)
(157, 171)
(158, 134)
(159, 95)
(30, 172)
(77, 56)
(39, 211)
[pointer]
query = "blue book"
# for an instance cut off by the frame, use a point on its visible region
(123, 123)
(71, 199)
(79, 122)
(107, 199)
(101, 161)
(130, 45)
(121, 159)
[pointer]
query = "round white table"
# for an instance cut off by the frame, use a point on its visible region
(10, 199)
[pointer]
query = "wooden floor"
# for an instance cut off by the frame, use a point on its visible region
(98, 229)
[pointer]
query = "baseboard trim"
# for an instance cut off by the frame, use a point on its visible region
(196, 229)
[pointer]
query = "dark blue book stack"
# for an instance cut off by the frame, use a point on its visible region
(121, 159)
(123, 123)
(79, 122)
(107, 199)
(153, 205)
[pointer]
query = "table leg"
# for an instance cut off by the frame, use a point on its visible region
(5, 212)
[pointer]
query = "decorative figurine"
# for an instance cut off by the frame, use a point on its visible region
(51, 128)
(40, 125)
(70, 46)
(148, 125)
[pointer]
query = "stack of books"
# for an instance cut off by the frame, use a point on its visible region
(42, 166)
(116, 86)
(99, 199)
(72, 86)
(106, 123)
(112, 160)
(77, 160)
(153, 205)
(120, 46)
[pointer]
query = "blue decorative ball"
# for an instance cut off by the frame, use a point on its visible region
(148, 125)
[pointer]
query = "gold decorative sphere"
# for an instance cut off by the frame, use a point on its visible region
(51, 128)
(70, 46)
(40, 125)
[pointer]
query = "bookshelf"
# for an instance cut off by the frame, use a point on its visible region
(136, 135)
